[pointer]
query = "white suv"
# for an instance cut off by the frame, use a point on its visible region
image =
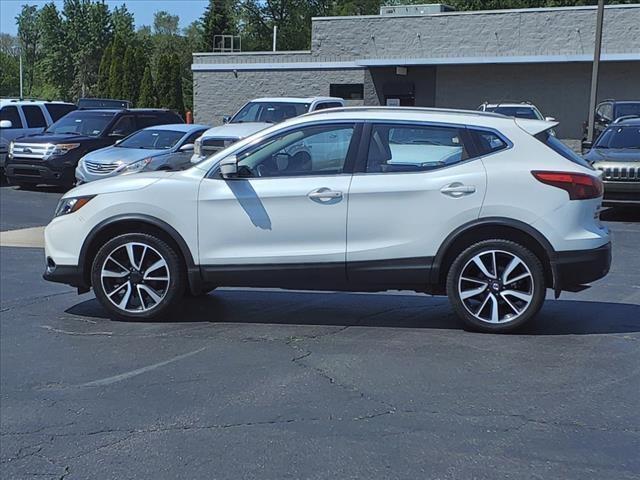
(487, 209)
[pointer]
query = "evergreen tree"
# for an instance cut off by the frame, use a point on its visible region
(103, 72)
(163, 81)
(55, 65)
(176, 84)
(129, 76)
(218, 19)
(118, 51)
(29, 37)
(148, 96)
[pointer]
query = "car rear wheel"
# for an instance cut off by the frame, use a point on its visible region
(138, 276)
(496, 286)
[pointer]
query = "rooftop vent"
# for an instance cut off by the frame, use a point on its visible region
(426, 9)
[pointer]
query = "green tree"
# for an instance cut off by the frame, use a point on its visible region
(165, 23)
(9, 80)
(129, 85)
(219, 18)
(123, 23)
(148, 96)
(102, 88)
(29, 37)
(169, 83)
(116, 69)
(55, 66)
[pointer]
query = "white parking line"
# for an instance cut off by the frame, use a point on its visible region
(24, 238)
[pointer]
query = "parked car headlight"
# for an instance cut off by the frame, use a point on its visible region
(71, 204)
(63, 148)
(11, 147)
(137, 166)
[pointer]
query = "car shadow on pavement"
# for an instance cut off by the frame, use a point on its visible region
(621, 214)
(557, 317)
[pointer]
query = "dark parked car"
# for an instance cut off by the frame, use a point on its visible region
(608, 112)
(52, 156)
(616, 153)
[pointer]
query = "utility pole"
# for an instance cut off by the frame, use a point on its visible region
(275, 37)
(21, 95)
(595, 71)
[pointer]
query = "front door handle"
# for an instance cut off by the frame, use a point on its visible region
(324, 195)
(457, 190)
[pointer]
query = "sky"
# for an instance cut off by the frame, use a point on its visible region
(143, 10)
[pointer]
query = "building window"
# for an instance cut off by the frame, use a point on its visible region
(348, 91)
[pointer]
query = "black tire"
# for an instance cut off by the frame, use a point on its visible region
(532, 285)
(172, 290)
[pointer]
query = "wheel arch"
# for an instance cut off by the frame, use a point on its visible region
(137, 223)
(487, 229)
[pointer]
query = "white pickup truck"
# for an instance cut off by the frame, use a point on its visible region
(257, 115)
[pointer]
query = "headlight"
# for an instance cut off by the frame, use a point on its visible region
(197, 147)
(71, 204)
(136, 166)
(11, 147)
(62, 148)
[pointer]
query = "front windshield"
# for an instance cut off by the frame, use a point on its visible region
(620, 137)
(518, 112)
(269, 112)
(626, 109)
(152, 139)
(82, 122)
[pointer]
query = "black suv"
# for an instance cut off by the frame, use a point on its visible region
(607, 112)
(51, 157)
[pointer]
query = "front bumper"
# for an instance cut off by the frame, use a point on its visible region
(37, 172)
(572, 269)
(67, 274)
(621, 193)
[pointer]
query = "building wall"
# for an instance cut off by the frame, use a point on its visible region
(559, 90)
(220, 93)
(492, 33)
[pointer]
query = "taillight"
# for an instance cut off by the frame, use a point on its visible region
(580, 186)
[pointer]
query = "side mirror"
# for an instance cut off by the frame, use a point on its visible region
(229, 167)
(6, 124)
(587, 145)
(118, 141)
(226, 119)
(187, 147)
(550, 119)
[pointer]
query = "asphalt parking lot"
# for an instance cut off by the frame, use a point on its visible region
(258, 384)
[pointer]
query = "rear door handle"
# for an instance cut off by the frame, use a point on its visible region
(324, 195)
(457, 190)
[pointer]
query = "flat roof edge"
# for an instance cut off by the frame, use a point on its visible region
(365, 63)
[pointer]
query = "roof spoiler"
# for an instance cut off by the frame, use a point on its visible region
(534, 127)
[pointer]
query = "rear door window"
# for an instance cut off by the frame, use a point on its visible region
(11, 113)
(34, 116)
(124, 126)
(59, 110)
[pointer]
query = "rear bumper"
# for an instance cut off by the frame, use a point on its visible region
(572, 269)
(67, 274)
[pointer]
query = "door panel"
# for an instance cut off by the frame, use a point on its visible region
(398, 219)
(272, 220)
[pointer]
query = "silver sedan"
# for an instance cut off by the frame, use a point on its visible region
(162, 147)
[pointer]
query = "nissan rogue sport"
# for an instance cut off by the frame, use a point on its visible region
(489, 210)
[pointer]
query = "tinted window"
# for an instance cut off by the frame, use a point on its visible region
(325, 105)
(11, 114)
(624, 109)
(193, 137)
(306, 151)
(34, 116)
(557, 146)
(404, 148)
(59, 110)
(152, 139)
(518, 112)
(83, 123)
(487, 142)
(124, 126)
(620, 137)
(269, 112)
(348, 91)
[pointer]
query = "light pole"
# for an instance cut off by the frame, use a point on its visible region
(18, 51)
(594, 71)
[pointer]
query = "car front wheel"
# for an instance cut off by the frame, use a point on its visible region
(496, 286)
(138, 276)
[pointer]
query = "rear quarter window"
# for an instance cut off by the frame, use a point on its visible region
(557, 146)
(487, 142)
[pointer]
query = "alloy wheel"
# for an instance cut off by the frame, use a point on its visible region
(135, 277)
(496, 286)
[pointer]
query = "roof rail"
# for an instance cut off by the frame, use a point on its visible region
(409, 109)
(625, 117)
